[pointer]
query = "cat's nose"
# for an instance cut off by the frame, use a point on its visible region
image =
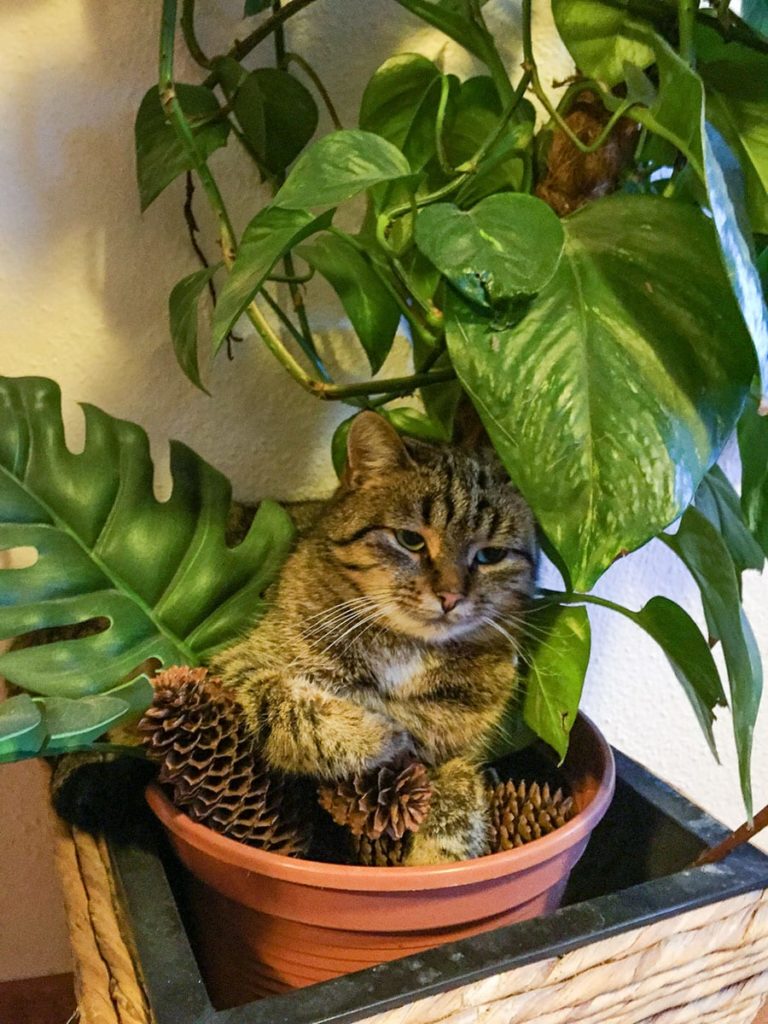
(449, 600)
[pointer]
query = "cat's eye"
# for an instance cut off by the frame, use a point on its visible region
(490, 556)
(410, 540)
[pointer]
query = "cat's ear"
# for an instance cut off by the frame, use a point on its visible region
(374, 448)
(468, 429)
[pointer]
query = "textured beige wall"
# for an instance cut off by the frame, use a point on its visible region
(83, 287)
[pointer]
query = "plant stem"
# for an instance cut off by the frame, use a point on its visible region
(297, 298)
(322, 389)
(301, 341)
(401, 386)
(175, 114)
(554, 113)
(470, 167)
(741, 835)
(190, 37)
(492, 57)
(567, 597)
(310, 72)
(265, 29)
(686, 18)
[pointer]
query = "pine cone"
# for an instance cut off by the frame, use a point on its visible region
(522, 813)
(195, 730)
(390, 800)
(383, 852)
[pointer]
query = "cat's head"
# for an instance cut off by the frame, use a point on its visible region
(436, 537)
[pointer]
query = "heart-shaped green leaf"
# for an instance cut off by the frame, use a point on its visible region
(368, 303)
(454, 18)
(339, 166)
(699, 545)
(486, 252)
(270, 235)
(182, 314)
(160, 573)
(393, 96)
(285, 110)
(160, 155)
(601, 37)
(606, 444)
(21, 727)
(557, 657)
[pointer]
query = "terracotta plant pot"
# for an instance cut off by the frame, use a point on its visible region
(265, 923)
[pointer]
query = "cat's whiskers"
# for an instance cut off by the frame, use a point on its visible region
(513, 643)
(379, 613)
(347, 609)
(541, 642)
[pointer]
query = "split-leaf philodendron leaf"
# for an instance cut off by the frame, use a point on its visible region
(160, 573)
(614, 394)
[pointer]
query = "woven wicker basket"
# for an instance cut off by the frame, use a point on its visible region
(707, 966)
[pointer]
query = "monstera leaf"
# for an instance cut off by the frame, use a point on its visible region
(159, 576)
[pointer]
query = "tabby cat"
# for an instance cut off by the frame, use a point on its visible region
(394, 627)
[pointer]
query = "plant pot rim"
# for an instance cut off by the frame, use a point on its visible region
(436, 876)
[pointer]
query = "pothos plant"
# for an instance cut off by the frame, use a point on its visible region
(585, 269)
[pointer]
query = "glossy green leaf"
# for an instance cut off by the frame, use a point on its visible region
(338, 166)
(725, 182)
(701, 548)
(753, 446)
(736, 82)
(506, 167)
(689, 655)
(270, 235)
(718, 501)
(557, 663)
(413, 423)
(255, 7)
(486, 251)
(161, 573)
(285, 111)
(605, 443)
(22, 732)
(453, 18)
(602, 37)
(679, 105)
(72, 724)
(339, 444)
(367, 301)
(160, 155)
(182, 312)
(679, 110)
(137, 693)
(393, 96)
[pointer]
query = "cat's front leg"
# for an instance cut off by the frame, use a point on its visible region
(304, 728)
(457, 826)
